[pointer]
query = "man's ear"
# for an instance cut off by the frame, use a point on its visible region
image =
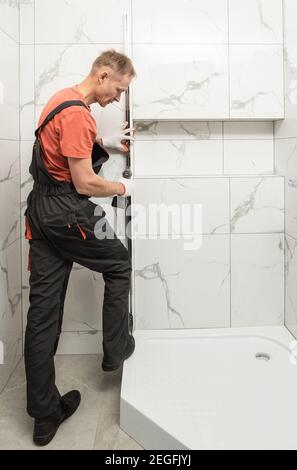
(102, 76)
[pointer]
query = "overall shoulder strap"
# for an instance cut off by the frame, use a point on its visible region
(65, 104)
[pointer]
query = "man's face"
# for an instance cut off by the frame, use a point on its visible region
(110, 86)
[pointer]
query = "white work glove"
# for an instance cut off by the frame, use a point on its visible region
(115, 140)
(128, 183)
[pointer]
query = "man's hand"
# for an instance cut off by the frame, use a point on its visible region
(115, 140)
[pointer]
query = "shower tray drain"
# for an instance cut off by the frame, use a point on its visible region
(263, 356)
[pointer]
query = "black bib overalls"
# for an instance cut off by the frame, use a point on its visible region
(60, 228)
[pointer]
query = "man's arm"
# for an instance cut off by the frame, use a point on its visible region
(87, 182)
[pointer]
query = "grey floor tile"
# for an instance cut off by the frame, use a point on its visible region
(111, 437)
(100, 395)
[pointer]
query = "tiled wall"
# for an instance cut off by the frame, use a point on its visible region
(208, 59)
(10, 254)
(286, 161)
(236, 278)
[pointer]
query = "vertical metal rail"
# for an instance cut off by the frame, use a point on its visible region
(119, 201)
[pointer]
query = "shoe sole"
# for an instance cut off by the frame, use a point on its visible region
(47, 439)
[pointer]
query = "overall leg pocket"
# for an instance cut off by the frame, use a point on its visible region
(91, 218)
(64, 224)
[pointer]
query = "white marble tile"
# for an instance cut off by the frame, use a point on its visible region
(9, 19)
(84, 300)
(27, 21)
(178, 158)
(256, 82)
(185, 130)
(89, 21)
(290, 12)
(290, 279)
(252, 157)
(26, 178)
(257, 205)
(180, 82)
(10, 258)
(11, 321)
(178, 288)
(290, 56)
(212, 194)
(248, 130)
(14, 354)
(80, 342)
(61, 66)
(287, 128)
(83, 338)
(202, 21)
(27, 109)
(9, 193)
(286, 157)
(255, 21)
(9, 88)
(291, 206)
(257, 279)
(26, 186)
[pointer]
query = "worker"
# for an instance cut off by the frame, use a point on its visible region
(60, 226)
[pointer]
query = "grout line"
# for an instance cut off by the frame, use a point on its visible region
(280, 232)
(195, 43)
(270, 139)
(151, 44)
(207, 176)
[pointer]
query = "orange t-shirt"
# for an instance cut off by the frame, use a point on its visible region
(71, 133)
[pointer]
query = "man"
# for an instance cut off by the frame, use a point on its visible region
(60, 227)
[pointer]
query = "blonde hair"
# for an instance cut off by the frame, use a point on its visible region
(119, 62)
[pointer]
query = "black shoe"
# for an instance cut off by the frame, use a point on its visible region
(46, 428)
(109, 366)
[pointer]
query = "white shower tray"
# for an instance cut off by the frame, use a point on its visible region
(206, 389)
